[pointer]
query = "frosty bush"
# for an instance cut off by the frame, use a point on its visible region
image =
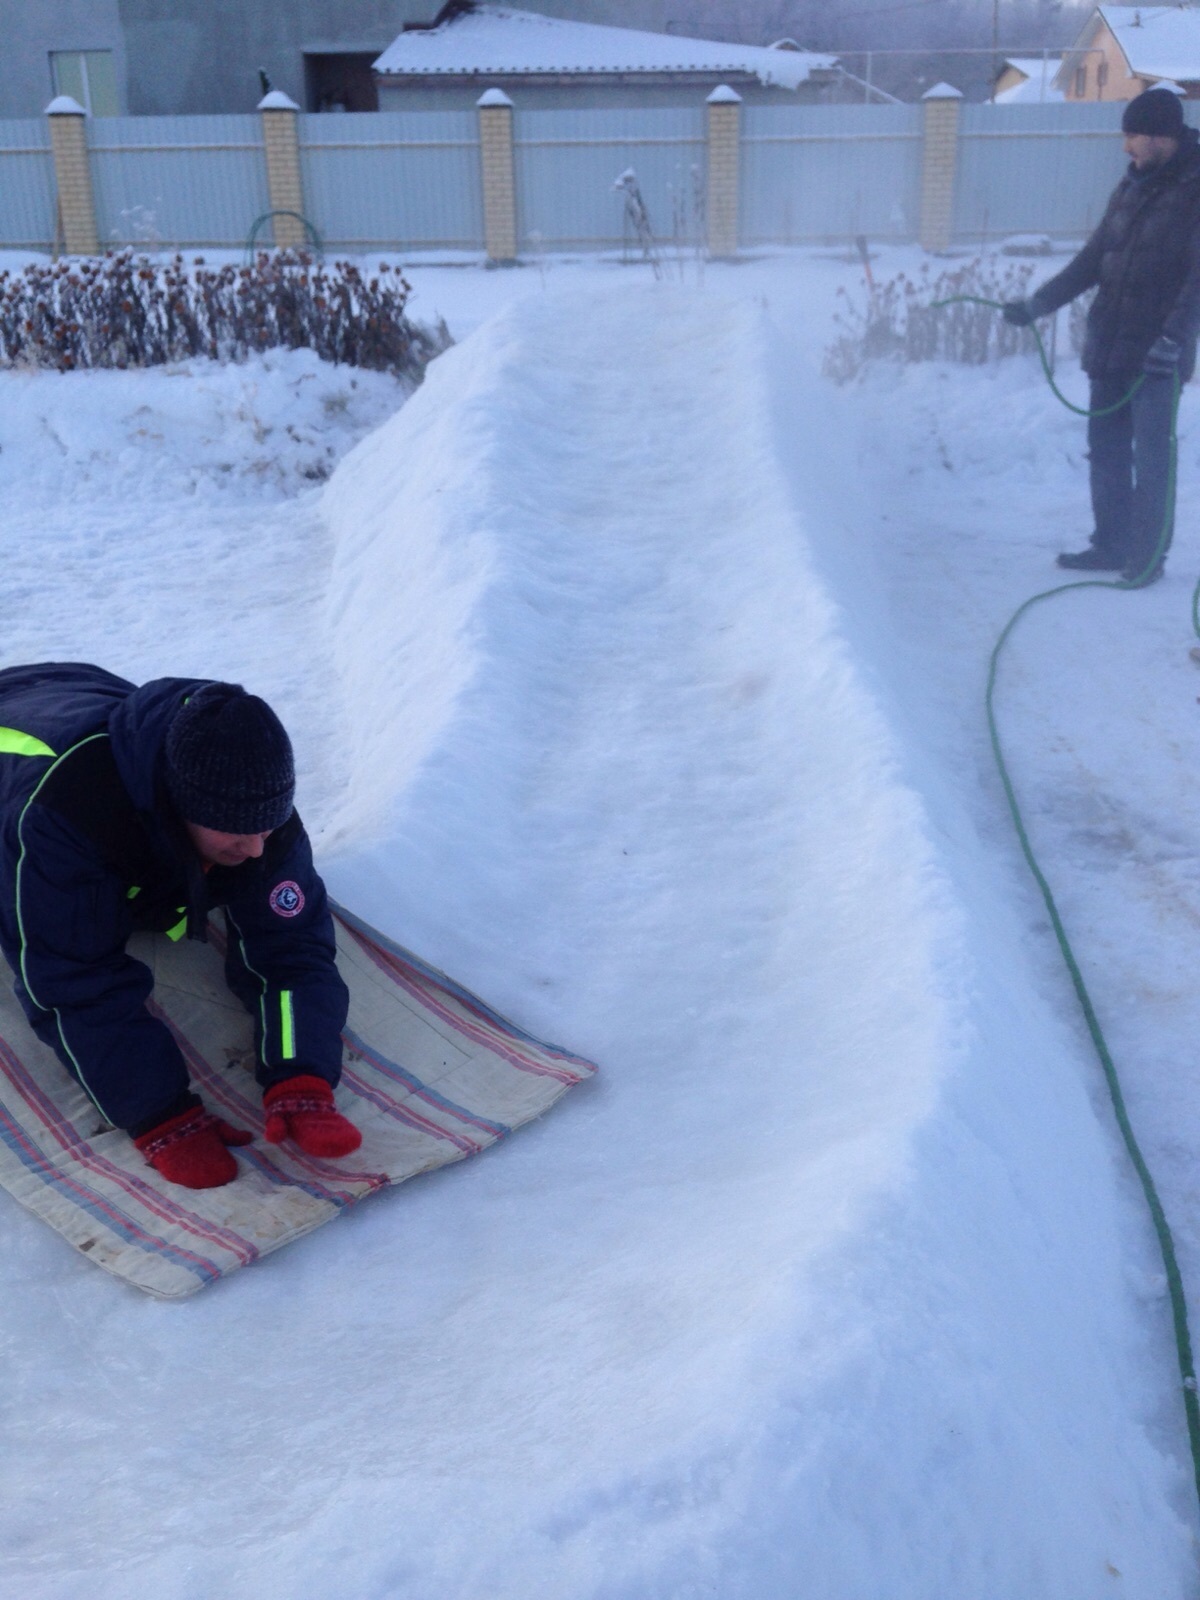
(898, 321)
(124, 310)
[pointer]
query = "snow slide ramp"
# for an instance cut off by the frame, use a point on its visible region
(612, 765)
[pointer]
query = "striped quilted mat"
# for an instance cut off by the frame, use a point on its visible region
(431, 1075)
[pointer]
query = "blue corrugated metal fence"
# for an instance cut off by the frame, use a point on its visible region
(378, 179)
(411, 181)
(829, 172)
(28, 197)
(165, 182)
(567, 165)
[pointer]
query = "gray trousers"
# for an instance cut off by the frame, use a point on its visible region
(1133, 497)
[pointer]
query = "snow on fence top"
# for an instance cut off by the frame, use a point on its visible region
(496, 39)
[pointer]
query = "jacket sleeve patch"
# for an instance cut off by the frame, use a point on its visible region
(286, 899)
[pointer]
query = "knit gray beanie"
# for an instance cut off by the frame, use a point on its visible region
(1154, 111)
(229, 761)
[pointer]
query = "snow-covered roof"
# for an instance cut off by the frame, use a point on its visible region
(1037, 86)
(498, 41)
(1157, 41)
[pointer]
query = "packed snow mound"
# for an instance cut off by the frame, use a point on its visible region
(832, 1282)
(412, 554)
(815, 1255)
(266, 428)
(591, 683)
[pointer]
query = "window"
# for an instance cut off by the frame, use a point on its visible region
(1101, 77)
(88, 76)
(1081, 82)
(341, 82)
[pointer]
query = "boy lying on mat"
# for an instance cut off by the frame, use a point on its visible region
(125, 808)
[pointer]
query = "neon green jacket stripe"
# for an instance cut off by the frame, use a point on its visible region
(287, 1026)
(15, 743)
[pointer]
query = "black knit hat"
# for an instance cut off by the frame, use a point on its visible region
(1156, 111)
(229, 761)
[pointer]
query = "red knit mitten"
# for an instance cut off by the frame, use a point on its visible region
(302, 1109)
(190, 1149)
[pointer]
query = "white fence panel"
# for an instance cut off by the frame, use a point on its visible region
(27, 214)
(1036, 168)
(813, 173)
(567, 163)
(166, 182)
(393, 179)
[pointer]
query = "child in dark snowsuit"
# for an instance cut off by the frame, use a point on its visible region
(126, 808)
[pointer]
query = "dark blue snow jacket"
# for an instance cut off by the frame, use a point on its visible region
(1144, 261)
(91, 850)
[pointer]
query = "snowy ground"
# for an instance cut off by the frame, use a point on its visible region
(636, 678)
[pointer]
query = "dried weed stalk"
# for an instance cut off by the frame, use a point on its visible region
(899, 322)
(124, 310)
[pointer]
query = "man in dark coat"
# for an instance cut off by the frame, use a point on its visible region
(1144, 262)
(126, 808)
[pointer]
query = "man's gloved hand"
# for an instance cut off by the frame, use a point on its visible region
(1018, 313)
(190, 1149)
(302, 1109)
(1162, 358)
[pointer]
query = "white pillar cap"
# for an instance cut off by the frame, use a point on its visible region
(64, 106)
(493, 97)
(723, 95)
(942, 91)
(276, 101)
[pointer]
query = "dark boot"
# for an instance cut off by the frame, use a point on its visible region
(1091, 560)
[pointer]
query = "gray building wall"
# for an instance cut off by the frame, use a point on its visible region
(30, 32)
(190, 57)
(193, 56)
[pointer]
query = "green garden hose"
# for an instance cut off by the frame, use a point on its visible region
(1166, 1243)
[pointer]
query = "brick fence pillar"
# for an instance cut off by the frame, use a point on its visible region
(724, 165)
(281, 146)
(939, 160)
(73, 175)
(499, 181)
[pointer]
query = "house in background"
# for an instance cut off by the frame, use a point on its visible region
(1122, 50)
(1028, 80)
(547, 63)
(196, 57)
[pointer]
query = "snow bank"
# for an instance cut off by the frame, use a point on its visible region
(660, 815)
(413, 551)
(834, 1283)
(272, 426)
(1022, 1402)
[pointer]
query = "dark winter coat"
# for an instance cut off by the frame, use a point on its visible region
(91, 849)
(1144, 259)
